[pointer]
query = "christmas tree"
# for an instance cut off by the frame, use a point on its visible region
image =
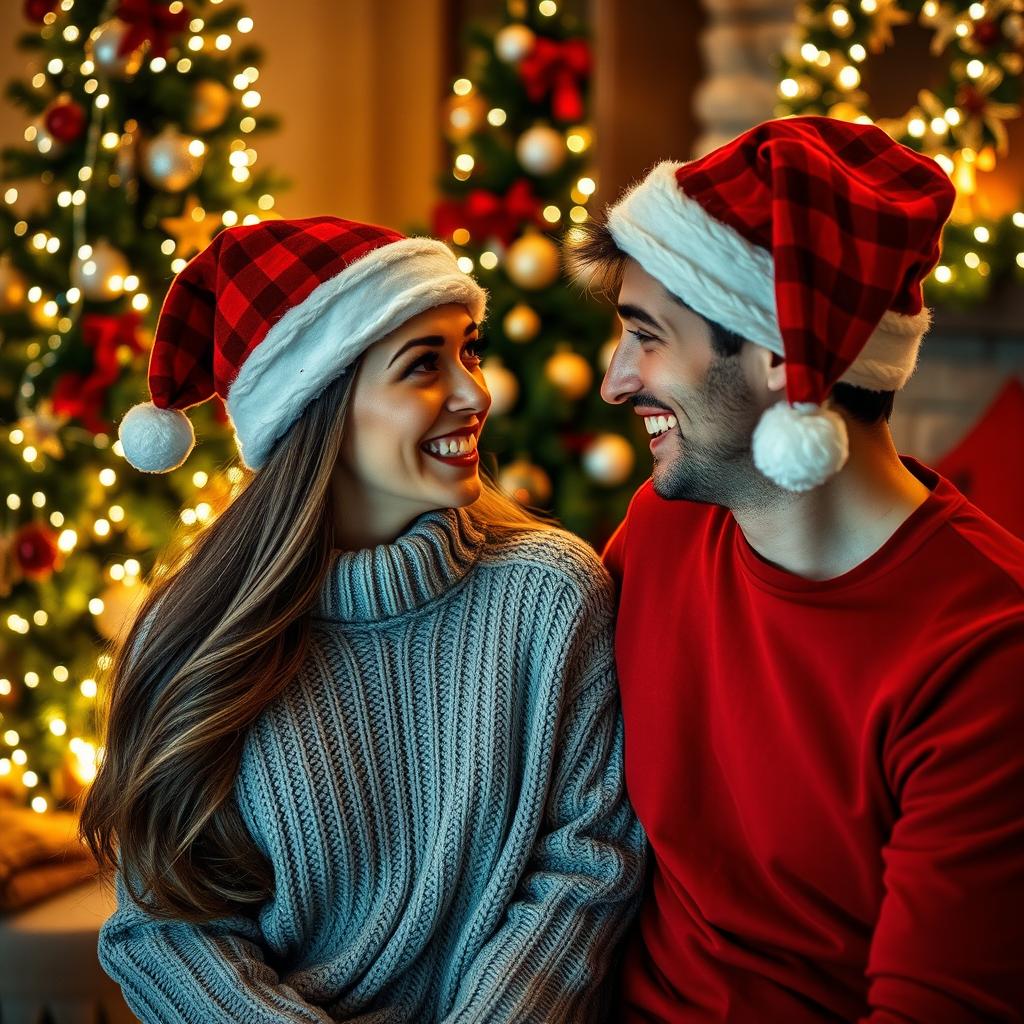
(519, 181)
(139, 149)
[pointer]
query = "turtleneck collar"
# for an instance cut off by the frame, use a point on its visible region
(389, 580)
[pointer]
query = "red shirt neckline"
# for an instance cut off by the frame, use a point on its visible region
(908, 537)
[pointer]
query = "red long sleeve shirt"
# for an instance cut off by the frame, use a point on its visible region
(831, 774)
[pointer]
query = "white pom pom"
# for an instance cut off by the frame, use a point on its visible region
(156, 440)
(800, 446)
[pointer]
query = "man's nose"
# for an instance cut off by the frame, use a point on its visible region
(621, 380)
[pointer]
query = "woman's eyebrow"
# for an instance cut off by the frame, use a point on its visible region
(433, 340)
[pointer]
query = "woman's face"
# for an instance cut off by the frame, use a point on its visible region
(417, 408)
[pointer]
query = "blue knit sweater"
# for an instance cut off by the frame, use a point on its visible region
(440, 793)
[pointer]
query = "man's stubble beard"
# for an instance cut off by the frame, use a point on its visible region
(721, 472)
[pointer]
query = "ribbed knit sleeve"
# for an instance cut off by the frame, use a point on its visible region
(177, 972)
(552, 953)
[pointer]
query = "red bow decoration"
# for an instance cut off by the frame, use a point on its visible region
(487, 214)
(81, 395)
(558, 68)
(151, 22)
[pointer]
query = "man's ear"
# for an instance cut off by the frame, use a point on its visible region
(770, 367)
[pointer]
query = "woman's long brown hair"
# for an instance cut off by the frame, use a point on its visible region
(231, 632)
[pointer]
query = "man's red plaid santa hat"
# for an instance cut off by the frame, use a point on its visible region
(268, 315)
(809, 236)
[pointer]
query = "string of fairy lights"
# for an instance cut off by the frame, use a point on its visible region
(91, 65)
(961, 123)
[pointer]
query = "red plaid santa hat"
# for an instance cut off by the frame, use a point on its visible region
(809, 236)
(268, 315)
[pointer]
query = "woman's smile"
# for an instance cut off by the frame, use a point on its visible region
(457, 448)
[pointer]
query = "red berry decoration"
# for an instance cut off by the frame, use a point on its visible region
(987, 33)
(971, 99)
(65, 120)
(37, 10)
(36, 550)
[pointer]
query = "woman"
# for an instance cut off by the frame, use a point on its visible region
(364, 759)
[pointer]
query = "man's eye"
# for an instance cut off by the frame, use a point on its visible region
(641, 336)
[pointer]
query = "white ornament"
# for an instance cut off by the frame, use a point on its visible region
(513, 43)
(156, 440)
(167, 163)
(100, 275)
(609, 459)
(502, 384)
(540, 150)
(800, 446)
(44, 141)
(104, 44)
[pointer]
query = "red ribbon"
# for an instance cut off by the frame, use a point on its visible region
(486, 214)
(150, 22)
(82, 395)
(558, 69)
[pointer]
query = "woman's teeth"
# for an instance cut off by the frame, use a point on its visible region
(452, 445)
(659, 424)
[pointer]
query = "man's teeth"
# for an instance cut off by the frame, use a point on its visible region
(659, 424)
(452, 445)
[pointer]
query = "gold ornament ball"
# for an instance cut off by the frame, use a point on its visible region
(609, 460)
(513, 43)
(503, 385)
(526, 483)
(93, 274)
(12, 287)
(532, 262)
(521, 323)
(463, 115)
(211, 104)
(167, 164)
(570, 373)
(540, 150)
(120, 602)
(607, 351)
(102, 45)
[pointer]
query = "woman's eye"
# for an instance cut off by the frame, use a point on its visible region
(477, 347)
(427, 363)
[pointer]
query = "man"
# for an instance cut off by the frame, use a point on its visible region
(820, 644)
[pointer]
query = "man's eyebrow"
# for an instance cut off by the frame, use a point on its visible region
(433, 340)
(630, 312)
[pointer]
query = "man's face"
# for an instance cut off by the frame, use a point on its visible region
(666, 366)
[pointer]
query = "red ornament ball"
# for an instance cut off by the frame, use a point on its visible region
(65, 120)
(37, 10)
(971, 99)
(35, 548)
(986, 33)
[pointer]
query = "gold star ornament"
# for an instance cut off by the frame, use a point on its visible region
(193, 230)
